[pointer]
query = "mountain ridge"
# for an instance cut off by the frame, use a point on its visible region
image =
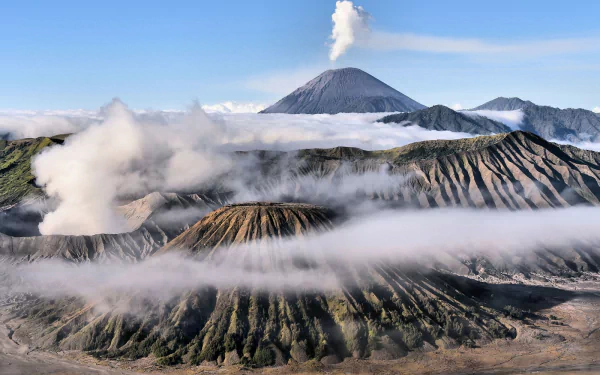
(504, 104)
(440, 118)
(571, 124)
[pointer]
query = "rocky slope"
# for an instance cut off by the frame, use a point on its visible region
(247, 222)
(344, 90)
(549, 122)
(381, 311)
(153, 220)
(504, 104)
(16, 179)
(517, 170)
(443, 118)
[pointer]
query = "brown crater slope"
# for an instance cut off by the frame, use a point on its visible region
(380, 311)
(247, 222)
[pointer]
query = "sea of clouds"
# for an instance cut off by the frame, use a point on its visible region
(120, 152)
(117, 151)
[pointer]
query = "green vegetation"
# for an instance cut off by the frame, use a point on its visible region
(16, 179)
(425, 150)
(264, 357)
(514, 312)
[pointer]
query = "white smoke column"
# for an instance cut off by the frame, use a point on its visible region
(349, 24)
(123, 156)
(596, 110)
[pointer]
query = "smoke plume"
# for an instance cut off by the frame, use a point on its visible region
(350, 23)
(119, 157)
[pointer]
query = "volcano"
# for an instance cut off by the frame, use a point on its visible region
(379, 311)
(348, 90)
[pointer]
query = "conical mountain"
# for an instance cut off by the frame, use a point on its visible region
(246, 222)
(440, 117)
(348, 90)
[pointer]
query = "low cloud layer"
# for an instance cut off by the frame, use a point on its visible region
(389, 237)
(234, 107)
(118, 153)
(129, 153)
(30, 124)
(512, 119)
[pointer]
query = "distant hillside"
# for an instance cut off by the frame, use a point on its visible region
(504, 104)
(382, 310)
(344, 90)
(549, 122)
(16, 179)
(443, 118)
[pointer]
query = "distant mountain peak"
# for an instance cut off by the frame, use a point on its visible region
(345, 90)
(441, 118)
(504, 104)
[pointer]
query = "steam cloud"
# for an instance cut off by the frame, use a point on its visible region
(351, 26)
(349, 23)
(119, 153)
(120, 157)
(131, 154)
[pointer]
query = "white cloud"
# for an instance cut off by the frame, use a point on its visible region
(512, 119)
(596, 110)
(278, 131)
(233, 107)
(393, 237)
(423, 43)
(123, 155)
(457, 107)
(585, 145)
(351, 26)
(129, 154)
(17, 124)
(133, 152)
(349, 23)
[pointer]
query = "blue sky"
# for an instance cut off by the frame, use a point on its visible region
(163, 55)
